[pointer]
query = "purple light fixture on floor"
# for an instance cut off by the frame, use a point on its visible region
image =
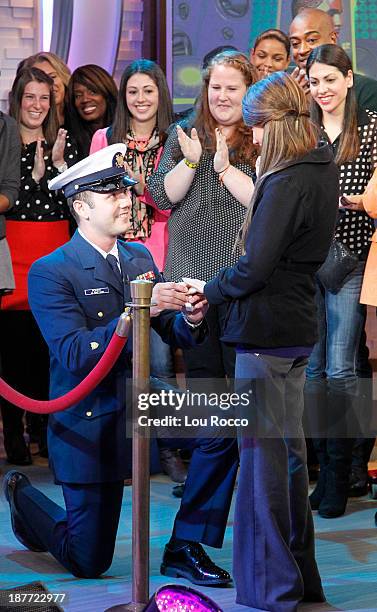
(179, 598)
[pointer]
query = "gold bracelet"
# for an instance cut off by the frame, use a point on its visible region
(191, 165)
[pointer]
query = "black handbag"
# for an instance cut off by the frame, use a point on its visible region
(339, 262)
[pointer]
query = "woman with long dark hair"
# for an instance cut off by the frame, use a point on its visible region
(332, 392)
(92, 96)
(55, 68)
(36, 225)
(142, 117)
(271, 320)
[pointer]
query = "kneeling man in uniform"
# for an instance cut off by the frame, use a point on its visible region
(76, 294)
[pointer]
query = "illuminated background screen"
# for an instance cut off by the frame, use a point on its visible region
(199, 27)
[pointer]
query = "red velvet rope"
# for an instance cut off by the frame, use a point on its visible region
(83, 389)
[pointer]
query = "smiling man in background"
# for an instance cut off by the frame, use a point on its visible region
(313, 27)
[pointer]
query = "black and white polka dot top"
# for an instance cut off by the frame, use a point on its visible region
(355, 228)
(35, 201)
(202, 227)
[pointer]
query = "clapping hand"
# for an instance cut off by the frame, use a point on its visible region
(39, 163)
(57, 153)
(221, 159)
(140, 185)
(299, 76)
(190, 145)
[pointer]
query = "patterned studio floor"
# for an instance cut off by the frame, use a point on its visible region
(346, 551)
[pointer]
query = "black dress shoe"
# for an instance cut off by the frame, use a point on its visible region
(193, 563)
(375, 519)
(11, 480)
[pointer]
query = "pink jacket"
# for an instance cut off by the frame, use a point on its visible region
(369, 288)
(157, 243)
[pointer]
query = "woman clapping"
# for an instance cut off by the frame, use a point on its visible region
(36, 225)
(207, 194)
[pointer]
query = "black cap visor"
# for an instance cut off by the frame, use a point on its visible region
(105, 181)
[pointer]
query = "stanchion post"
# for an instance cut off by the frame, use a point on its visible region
(141, 294)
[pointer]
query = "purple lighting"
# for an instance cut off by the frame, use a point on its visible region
(177, 598)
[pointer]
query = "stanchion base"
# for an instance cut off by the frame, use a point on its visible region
(132, 607)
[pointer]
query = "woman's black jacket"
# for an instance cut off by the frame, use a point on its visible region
(271, 289)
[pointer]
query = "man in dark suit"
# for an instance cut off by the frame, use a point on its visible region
(311, 28)
(76, 294)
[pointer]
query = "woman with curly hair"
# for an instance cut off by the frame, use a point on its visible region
(207, 209)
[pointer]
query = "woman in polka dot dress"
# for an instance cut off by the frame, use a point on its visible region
(36, 225)
(332, 392)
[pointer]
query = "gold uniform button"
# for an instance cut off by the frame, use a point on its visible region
(100, 314)
(94, 345)
(89, 413)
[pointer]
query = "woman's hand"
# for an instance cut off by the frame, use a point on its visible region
(39, 163)
(195, 308)
(190, 147)
(352, 202)
(57, 153)
(140, 185)
(221, 159)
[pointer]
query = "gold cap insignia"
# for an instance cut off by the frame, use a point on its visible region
(118, 160)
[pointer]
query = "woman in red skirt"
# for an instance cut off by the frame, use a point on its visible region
(37, 224)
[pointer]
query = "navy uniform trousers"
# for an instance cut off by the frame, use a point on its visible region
(82, 537)
(76, 298)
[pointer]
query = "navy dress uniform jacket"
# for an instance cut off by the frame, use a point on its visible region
(76, 299)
